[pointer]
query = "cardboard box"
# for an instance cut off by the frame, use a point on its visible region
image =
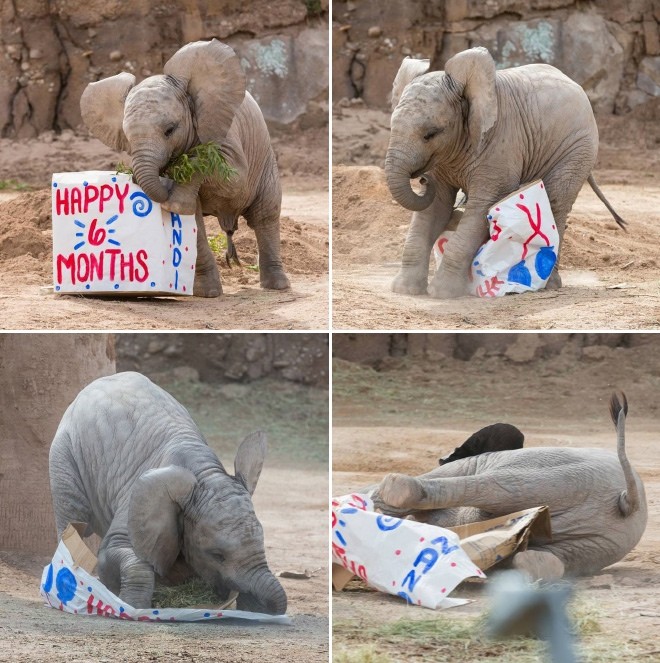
(110, 238)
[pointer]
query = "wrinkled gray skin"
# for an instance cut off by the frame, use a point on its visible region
(596, 500)
(128, 460)
(486, 132)
(201, 97)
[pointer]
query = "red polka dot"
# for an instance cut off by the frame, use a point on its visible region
(194, 230)
(553, 226)
(521, 195)
(170, 285)
(163, 262)
(397, 552)
(422, 539)
(393, 583)
(419, 601)
(443, 590)
(192, 266)
(542, 185)
(172, 619)
(453, 563)
(497, 209)
(186, 248)
(170, 246)
(219, 614)
(184, 288)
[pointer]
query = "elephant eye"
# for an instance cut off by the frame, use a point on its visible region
(171, 130)
(432, 133)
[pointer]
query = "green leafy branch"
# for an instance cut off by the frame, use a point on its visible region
(204, 159)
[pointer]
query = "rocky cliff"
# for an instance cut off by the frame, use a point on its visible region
(51, 49)
(610, 47)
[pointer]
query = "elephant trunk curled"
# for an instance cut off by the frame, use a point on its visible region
(146, 169)
(399, 171)
(265, 594)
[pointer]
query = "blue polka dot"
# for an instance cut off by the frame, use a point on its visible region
(153, 284)
(66, 585)
(114, 179)
(489, 217)
(121, 608)
(85, 183)
(207, 614)
(87, 287)
(55, 185)
(155, 612)
(89, 589)
(116, 286)
(57, 287)
(476, 263)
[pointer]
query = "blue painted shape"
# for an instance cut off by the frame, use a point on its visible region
(112, 219)
(387, 523)
(520, 274)
(114, 179)
(87, 287)
(57, 287)
(155, 612)
(342, 540)
(142, 204)
(85, 183)
(207, 614)
(55, 185)
(153, 284)
(545, 261)
(48, 585)
(80, 234)
(112, 231)
(78, 245)
(80, 224)
(66, 585)
(89, 589)
(121, 608)
(114, 241)
(116, 286)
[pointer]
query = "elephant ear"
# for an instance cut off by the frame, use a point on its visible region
(250, 459)
(474, 72)
(102, 109)
(157, 499)
(212, 75)
(409, 69)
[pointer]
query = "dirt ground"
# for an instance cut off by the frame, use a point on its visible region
(26, 248)
(294, 480)
(406, 416)
(611, 278)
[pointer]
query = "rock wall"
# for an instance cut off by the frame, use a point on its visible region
(610, 47)
(51, 49)
(227, 357)
(380, 350)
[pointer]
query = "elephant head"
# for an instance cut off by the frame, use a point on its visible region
(208, 517)
(194, 101)
(439, 119)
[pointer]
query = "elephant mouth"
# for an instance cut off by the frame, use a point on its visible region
(420, 171)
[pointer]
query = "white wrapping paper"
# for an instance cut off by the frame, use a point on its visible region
(522, 249)
(109, 237)
(68, 587)
(420, 563)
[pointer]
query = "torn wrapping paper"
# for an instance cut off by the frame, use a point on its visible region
(67, 583)
(420, 563)
(522, 250)
(109, 237)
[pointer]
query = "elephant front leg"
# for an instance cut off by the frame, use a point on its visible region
(207, 277)
(124, 574)
(425, 228)
(452, 279)
(183, 197)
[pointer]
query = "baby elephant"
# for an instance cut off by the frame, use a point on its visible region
(128, 460)
(596, 499)
(199, 98)
(496, 437)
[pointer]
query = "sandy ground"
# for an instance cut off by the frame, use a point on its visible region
(404, 420)
(26, 271)
(31, 632)
(611, 278)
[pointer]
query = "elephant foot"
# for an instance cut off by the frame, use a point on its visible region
(400, 491)
(406, 283)
(554, 282)
(275, 280)
(179, 206)
(447, 286)
(538, 565)
(207, 284)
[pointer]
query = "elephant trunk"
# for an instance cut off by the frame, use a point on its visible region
(265, 594)
(146, 169)
(399, 172)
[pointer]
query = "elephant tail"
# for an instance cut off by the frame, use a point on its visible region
(621, 222)
(629, 498)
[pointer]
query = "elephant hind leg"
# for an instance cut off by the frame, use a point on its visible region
(263, 216)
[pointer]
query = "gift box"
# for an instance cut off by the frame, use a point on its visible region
(109, 237)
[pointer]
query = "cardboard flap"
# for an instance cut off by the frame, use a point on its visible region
(81, 554)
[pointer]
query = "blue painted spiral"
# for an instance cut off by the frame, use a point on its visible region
(142, 204)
